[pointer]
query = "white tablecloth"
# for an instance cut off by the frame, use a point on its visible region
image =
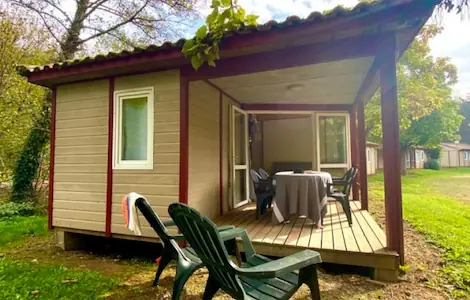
(301, 194)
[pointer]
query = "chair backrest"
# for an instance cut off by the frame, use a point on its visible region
(255, 176)
(347, 174)
(153, 219)
(350, 182)
(204, 238)
(263, 173)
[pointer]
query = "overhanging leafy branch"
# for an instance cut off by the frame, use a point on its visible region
(226, 16)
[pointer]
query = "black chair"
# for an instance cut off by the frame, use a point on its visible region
(344, 177)
(186, 259)
(342, 195)
(264, 191)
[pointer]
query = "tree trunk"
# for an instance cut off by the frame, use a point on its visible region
(72, 41)
(403, 169)
(30, 158)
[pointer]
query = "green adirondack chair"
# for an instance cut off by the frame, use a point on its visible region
(186, 259)
(257, 278)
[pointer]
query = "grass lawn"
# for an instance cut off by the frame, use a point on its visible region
(31, 280)
(437, 204)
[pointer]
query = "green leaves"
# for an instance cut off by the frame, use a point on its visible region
(428, 114)
(226, 16)
(201, 32)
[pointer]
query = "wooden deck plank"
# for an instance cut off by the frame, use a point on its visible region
(378, 231)
(304, 238)
(348, 234)
(359, 235)
(294, 235)
(327, 231)
(265, 222)
(277, 229)
(336, 225)
(301, 233)
(285, 231)
(373, 240)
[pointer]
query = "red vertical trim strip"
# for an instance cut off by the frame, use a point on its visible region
(391, 148)
(184, 139)
(353, 135)
(109, 176)
(221, 153)
(52, 158)
(361, 140)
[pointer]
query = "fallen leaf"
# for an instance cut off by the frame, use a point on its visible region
(35, 292)
(69, 280)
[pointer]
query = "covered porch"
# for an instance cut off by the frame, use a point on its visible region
(325, 72)
(363, 244)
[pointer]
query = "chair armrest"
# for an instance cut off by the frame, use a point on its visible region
(284, 265)
(339, 182)
(239, 233)
(168, 222)
(180, 237)
(226, 227)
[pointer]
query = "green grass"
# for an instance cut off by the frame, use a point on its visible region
(23, 280)
(34, 281)
(440, 214)
(17, 228)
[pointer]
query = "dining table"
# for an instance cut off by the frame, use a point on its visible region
(302, 194)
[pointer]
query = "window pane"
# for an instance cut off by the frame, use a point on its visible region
(333, 140)
(134, 129)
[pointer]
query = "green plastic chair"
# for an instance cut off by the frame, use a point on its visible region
(186, 259)
(257, 278)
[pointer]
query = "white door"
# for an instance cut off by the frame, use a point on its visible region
(240, 159)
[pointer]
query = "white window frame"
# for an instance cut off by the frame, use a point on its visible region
(368, 155)
(465, 155)
(347, 164)
(119, 96)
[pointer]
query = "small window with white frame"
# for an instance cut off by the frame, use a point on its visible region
(332, 140)
(133, 129)
(465, 155)
(368, 155)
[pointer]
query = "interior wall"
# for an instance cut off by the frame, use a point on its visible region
(289, 140)
(204, 147)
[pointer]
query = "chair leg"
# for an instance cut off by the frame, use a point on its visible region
(184, 270)
(346, 209)
(309, 276)
(212, 287)
(165, 259)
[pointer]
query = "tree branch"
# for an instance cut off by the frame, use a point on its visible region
(116, 26)
(94, 6)
(53, 4)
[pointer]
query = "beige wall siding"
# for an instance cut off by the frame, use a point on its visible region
(161, 185)
(372, 160)
(289, 140)
(203, 193)
(81, 156)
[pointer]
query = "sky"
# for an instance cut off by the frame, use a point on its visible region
(453, 42)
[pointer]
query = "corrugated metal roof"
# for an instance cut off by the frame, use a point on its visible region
(292, 21)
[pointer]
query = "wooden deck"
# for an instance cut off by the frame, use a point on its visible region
(363, 244)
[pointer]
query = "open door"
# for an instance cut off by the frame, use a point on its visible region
(240, 157)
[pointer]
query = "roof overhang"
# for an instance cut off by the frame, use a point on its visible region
(301, 43)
